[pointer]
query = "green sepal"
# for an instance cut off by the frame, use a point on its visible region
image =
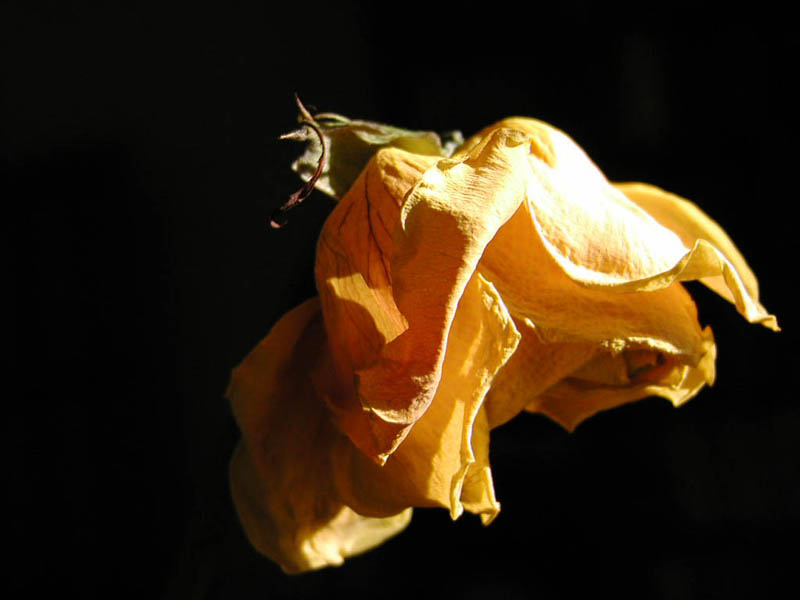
(351, 143)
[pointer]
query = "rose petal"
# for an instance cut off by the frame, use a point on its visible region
(534, 286)
(444, 460)
(446, 222)
(594, 232)
(534, 367)
(575, 399)
(736, 281)
(281, 476)
(603, 239)
(299, 547)
(477, 489)
(354, 280)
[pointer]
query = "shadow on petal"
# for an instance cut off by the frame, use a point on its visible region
(281, 474)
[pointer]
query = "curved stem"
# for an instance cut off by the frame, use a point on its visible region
(300, 195)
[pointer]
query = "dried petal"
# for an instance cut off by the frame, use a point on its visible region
(446, 222)
(735, 281)
(354, 280)
(574, 399)
(456, 293)
(444, 461)
(281, 475)
(534, 367)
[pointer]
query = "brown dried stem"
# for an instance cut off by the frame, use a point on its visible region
(300, 195)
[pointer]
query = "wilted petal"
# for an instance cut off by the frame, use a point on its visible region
(281, 475)
(446, 222)
(565, 311)
(534, 367)
(382, 396)
(571, 382)
(598, 236)
(595, 278)
(731, 277)
(325, 540)
(444, 460)
(477, 489)
(602, 239)
(575, 399)
(354, 280)
(576, 325)
(595, 233)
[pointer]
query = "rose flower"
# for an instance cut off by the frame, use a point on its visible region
(454, 293)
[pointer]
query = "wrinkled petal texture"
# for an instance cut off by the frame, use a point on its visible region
(736, 281)
(281, 473)
(307, 497)
(354, 278)
(593, 271)
(413, 278)
(454, 294)
(444, 461)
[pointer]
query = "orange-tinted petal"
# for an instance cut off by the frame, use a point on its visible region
(444, 460)
(354, 279)
(281, 474)
(445, 224)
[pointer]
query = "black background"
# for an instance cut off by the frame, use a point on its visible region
(141, 147)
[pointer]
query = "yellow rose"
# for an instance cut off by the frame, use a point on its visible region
(453, 294)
